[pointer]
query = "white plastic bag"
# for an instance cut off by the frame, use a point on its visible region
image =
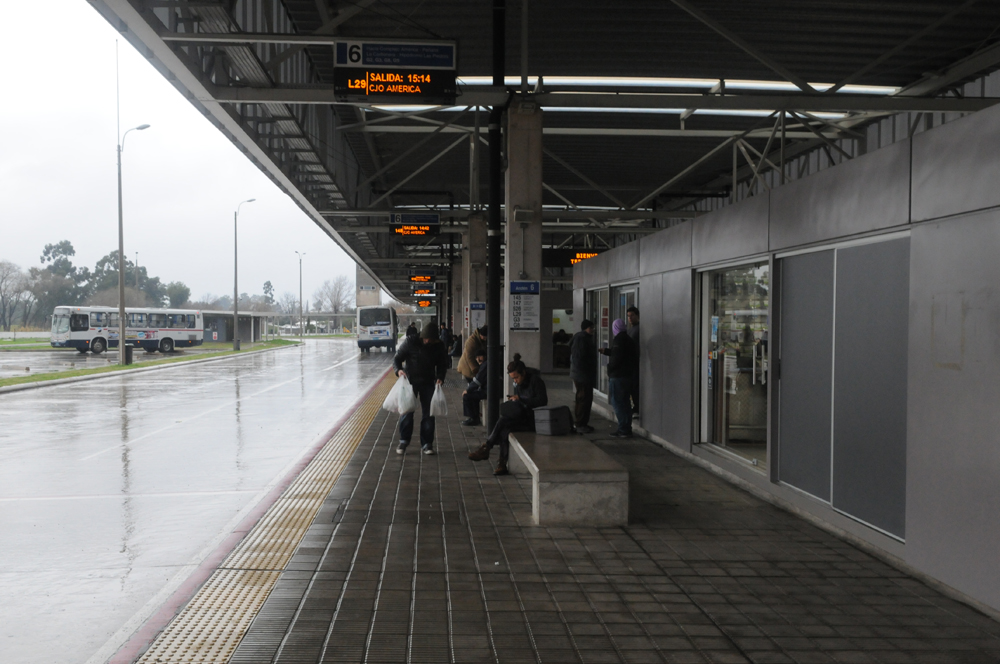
(438, 405)
(391, 402)
(407, 400)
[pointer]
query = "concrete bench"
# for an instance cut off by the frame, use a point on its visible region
(573, 482)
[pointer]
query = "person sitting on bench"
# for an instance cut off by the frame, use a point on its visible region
(516, 414)
(475, 393)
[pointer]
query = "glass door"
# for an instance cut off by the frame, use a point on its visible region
(735, 360)
(598, 311)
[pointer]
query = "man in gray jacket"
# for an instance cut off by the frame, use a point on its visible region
(583, 371)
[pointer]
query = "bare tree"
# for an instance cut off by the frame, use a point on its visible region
(289, 303)
(11, 290)
(337, 293)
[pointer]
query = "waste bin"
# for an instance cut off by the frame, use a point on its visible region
(128, 353)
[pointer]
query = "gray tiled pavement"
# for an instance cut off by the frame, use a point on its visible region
(432, 559)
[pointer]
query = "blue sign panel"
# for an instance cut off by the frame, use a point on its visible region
(476, 306)
(521, 287)
(396, 55)
(416, 218)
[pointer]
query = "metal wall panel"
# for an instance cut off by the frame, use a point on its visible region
(953, 492)
(677, 377)
(623, 262)
(670, 249)
(579, 278)
(579, 305)
(731, 232)
(865, 194)
(869, 400)
(652, 342)
(955, 166)
(806, 383)
(595, 272)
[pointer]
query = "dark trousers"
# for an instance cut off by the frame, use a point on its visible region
(634, 393)
(470, 403)
(501, 433)
(424, 392)
(618, 396)
(584, 400)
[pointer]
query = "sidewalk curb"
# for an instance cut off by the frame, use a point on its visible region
(110, 374)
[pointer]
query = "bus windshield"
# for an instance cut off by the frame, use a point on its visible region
(370, 317)
(60, 324)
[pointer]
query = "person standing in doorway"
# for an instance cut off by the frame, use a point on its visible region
(583, 372)
(620, 367)
(632, 314)
(424, 362)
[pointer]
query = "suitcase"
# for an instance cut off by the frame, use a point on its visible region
(553, 420)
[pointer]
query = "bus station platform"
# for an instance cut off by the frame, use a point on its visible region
(419, 558)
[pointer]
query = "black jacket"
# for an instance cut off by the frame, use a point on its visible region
(477, 387)
(423, 363)
(622, 361)
(531, 392)
(583, 359)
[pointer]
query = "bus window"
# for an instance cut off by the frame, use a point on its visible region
(114, 319)
(99, 319)
(60, 324)
(79, 322)
(373, 316)
(136, 320)
(157, 320)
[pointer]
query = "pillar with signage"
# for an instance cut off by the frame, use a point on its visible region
(523, 261)
(473, 270)
(367, 294)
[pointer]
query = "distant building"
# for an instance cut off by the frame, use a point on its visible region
(367, 289)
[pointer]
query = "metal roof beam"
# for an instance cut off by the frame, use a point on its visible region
(985, 59)
(841, 103)
(593, 131)
(551, 214)
(773, 65)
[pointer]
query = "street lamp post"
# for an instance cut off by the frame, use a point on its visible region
(121, 251)
(236, 295)
(300, 294)
(137, 272)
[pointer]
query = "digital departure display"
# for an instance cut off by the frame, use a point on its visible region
(565, 258)
(423, 291)
(415, 230)
(424, 303)
(394, 85)
(421, 278)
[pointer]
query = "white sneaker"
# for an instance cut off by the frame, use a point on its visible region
(428, 451)
(400, 450)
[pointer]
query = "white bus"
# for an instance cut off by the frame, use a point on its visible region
(377, 327)
(96, 328)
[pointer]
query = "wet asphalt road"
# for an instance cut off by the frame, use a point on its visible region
(27, 363)
(112, 491)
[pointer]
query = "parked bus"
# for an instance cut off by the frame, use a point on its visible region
(377, 327)
(96, 328)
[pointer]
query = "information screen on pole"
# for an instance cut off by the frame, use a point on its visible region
(415, 224)
(525, 308)
(410, 72)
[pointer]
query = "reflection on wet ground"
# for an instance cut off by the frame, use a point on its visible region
(112, 491)
(26, 363)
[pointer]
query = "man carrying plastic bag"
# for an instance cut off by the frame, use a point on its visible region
(423, 361)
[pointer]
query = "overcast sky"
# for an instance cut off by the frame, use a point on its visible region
(182, 178)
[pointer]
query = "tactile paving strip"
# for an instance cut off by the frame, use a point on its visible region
(210, 627)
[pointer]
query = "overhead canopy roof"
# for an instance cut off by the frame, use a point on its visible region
(643, 101)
